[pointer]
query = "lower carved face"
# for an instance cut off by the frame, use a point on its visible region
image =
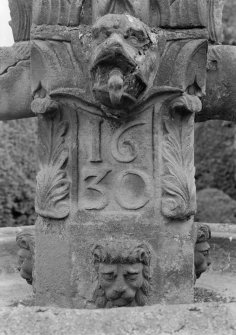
(123, 62)
(25, 265)
(120, 283)
(201, 258)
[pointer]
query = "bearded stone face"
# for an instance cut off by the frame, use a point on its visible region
(25, 264)
(121, 282)
(25, 260)
(201, 258)
(123, 273)
(201, 251)
(124, 61)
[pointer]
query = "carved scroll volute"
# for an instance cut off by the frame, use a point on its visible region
(52, 193)
(178, 183)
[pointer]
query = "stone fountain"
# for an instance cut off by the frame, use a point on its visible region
(116, 87)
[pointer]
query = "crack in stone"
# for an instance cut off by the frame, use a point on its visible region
(13, 66)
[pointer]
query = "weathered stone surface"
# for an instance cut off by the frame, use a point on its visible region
(215, 25)
(213, 319)
(215, 206)
(229, 22)
(158, 13)
(68, 13)
(15, 82)
(187, 13)
(21, 13)
(53, 264)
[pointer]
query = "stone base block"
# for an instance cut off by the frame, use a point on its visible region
(211, 319)
(113, 261)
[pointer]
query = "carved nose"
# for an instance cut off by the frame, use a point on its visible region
(115, 40)
(120, 289)
(121, 286)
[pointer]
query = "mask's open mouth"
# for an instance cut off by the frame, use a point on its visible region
(116, 81)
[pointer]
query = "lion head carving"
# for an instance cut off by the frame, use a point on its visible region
(25, 240)
(123, 273)
(201, 252)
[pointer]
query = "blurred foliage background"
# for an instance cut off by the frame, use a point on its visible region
(18, 164)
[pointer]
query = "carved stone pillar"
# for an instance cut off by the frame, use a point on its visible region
(116, 92)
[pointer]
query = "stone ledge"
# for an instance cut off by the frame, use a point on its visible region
(159, 319)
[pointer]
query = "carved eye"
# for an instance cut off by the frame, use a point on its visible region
(101, 33)
(21, 260)
(108, 33)
(135, 37)
(95, 32)
(134, 40)
(205, 252)
(131, 276)
(108, 276)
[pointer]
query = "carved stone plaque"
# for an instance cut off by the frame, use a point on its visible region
(111, 155)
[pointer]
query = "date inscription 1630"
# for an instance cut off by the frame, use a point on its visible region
(118, 176)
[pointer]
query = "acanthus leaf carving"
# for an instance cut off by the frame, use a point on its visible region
(178, 185)
(52, 183)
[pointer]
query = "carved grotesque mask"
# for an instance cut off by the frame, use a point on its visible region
(124, 60)
(201, 253)
(25, 264)
(123, 278)
(25, 241)
(120, 282)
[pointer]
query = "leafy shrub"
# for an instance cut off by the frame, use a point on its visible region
(17, 172)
